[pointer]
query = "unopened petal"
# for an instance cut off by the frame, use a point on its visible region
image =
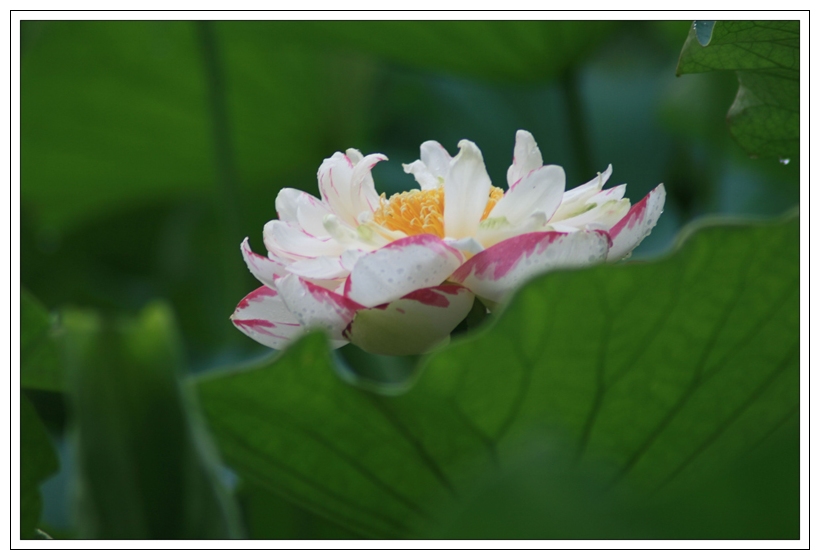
(497, 271)
(466, 191)
(317, 308)
(636, 225)
(413, 324)
(263, 316)
(401, 267)
(526, 157)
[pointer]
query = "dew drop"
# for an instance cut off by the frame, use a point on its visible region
(703, 31)
(785, 160)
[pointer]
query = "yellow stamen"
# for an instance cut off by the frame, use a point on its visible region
(415, 212)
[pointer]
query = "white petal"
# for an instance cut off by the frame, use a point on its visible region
(319, 268)
(574, 200)
(263, 316)
(287, 201)
(636, 225)
(315, 307)
(539, 191)
(301, 209)
(424, 178)
(364, 237)
(493, 231)
(334, 183)
(435, 158)
(526, 157)
(603, 216)
(401, 267)
(494, 273)
(354, 155)
(615, 193)
(363, 191)
(265, 269)
(466, 191)
(285, 240)
(414, 324)
(350, 257)
(465, 244)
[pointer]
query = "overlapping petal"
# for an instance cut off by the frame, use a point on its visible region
(412, 324)
(637, 224)
(316, 307)
(495, 272)
(371, 272)
(265, 269)
(263, 316)
(401, 267)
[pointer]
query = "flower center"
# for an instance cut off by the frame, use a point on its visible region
(415, 212)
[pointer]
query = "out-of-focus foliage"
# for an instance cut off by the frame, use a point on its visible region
(40, 366)
(38, 461)
(765, 115)
(605, 381)
(147, 470)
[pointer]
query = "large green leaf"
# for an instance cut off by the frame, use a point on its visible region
(145, 469)
(765, 115)
(653, 376)
(40, 366)
(38, 461)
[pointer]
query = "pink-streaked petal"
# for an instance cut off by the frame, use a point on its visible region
(288, 241)
(423, 176)
(526, 157)
(574, 200)
(265, 269)
(497, 271)
(354, 155)
(413, 324)
(401, 267)
(319, 268)
(263, 316)
(317, 308)
(539, 191)
(334, 178)
(435, 158)
(302, 210)
(466, 191)
(636, 225)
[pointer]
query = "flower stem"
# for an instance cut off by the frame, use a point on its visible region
(579, 139)
(227, 204)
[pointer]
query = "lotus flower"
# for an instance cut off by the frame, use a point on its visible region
(396, 275)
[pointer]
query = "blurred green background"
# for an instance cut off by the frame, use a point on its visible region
(150, 149)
